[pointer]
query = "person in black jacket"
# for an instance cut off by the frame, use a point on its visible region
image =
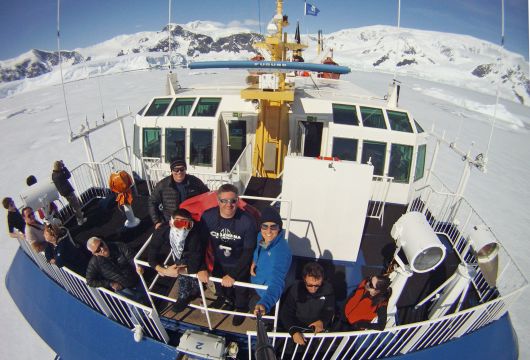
(61, 251)
(60, 176)
(232, 235)
(14, 218)
(112, 267)
(180, 236)
(309, 304)
(171, 191)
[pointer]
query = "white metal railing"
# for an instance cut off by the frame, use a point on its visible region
(116, 307)
(453, 216)
(380, 188)
(91, 180)
(241, 172)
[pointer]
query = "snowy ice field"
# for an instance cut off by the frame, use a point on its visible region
(34, 133)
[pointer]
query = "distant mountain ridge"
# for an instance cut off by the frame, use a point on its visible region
(450, 58)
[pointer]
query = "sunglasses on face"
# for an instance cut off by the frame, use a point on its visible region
(228, 201)
(182, 224)
(273, 227)
(312, 285)
(100, 248)
(179, 169)
(369, 284)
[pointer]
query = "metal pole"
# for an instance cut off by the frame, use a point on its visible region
(96, 175)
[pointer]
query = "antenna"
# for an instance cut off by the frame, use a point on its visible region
(398, 32)
(169, 35)
(497, 93)
(61, 64)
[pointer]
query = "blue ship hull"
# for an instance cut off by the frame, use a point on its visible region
(75, 331)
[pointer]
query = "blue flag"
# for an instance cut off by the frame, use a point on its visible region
(310, 9)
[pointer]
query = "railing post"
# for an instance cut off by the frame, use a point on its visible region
(101, 302)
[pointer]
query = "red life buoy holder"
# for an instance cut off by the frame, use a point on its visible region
(328, 158)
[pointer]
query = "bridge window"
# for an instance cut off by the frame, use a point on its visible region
(344, 149)
(373, 117)
(181, 107)
(201, 147)
(158, 107)
(151, 142)
(420, 162)
(419, 129)
(207, 107)
(400, 161)
(399, 121)
(345, 114)
(375, 152)
(175, 144)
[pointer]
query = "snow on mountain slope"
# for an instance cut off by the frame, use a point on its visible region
(458, 60)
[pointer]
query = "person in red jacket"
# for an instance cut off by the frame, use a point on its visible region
(367, 302)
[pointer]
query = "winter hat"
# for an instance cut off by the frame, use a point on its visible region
(176, 163)
(270, 215)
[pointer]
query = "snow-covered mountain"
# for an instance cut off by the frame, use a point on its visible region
(454, 59)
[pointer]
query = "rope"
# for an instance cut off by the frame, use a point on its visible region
(497, 95)
(61, 64)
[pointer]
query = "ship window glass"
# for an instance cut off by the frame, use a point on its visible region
(207, 107)
(420, 162)
(345, 114)
(201, 147)
(175, 144)
(151, 142)
(141, 111)
(158, 107)
(419, 129)
(181, 107)
(400, 162)
(373, 117)
(374, 151)
(399, 121)
(344, 149)
(136, 141)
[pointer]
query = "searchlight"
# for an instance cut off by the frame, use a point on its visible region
(486, 249)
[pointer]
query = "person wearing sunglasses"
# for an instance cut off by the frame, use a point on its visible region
(181, 237)
(271, 261)
(367, 302)
(112, 267)
(232, 235)
(309, 304)
(171, 191)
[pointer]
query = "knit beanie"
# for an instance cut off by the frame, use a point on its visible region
(270, 215)
(176, 163)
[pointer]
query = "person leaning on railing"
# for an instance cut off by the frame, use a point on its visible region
(15, 221)
(182, 237)
(309, 304)
(60, 176)
(61, 251)
(368, 301)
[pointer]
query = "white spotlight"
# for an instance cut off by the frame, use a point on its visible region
(423, 249)
(486, 250)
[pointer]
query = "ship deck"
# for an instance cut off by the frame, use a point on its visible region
(105, 219)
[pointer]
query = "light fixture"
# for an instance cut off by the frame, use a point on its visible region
(272, 28)
(486, 249)
(414, 235)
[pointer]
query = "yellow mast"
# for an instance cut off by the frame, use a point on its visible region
(272, 132)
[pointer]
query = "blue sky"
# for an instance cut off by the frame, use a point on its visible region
(27, 24)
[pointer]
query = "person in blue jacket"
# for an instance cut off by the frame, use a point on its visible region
(271, 261)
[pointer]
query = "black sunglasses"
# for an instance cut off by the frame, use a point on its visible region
(100, 248)
(179, 169)
(273, 227)
(312, 285)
